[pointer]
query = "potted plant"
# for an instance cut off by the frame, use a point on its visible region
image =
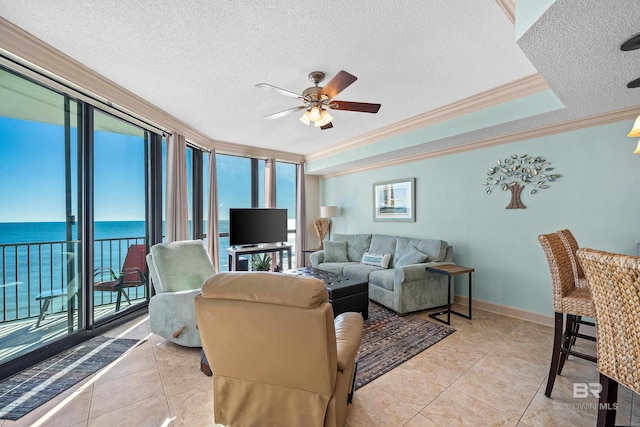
(260, 262)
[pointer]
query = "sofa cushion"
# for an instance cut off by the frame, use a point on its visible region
(412, 257)
(359, 271)
(382, 278)
(434, 249)
(381, 244)
(377, 260)
(357, 245)
(334, 267)
(335, 251)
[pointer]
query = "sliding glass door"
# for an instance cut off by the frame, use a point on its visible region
(75, 216)
(40, 262)
(119, 228)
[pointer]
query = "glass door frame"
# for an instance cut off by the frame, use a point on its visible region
(86, 325)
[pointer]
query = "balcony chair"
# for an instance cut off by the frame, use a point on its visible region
(66, 293)
(178, 270)
(615, 284)
(278, 356)
(568, 300)
(132, 275)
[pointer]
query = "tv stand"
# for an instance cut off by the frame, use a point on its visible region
(234, 253)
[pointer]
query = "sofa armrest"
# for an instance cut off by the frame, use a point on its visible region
(448, 257)
(349, 328)
(413, 272)
(317, 258)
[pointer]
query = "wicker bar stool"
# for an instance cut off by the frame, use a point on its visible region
(568, 300)
(571, 244)
(615, 285)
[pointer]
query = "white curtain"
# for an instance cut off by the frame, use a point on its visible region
(270, 183)
(213, 236)
(177, 217)
(301, 216)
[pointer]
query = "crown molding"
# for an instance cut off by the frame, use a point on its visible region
(509, 8)
(528, 85)
(49, 63)
(601, 119)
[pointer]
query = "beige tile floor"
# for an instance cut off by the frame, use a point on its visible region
(491, 372)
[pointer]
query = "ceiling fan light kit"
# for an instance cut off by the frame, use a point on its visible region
(305, 118)
(631, 44)
(325, 119)
(635, 131)
(314, 113)
(317, 99)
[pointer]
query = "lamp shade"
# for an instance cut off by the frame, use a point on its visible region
(328, 211)
(636, 128)
(305, 118)
(637, 150)
(314, 114)
(325, 118)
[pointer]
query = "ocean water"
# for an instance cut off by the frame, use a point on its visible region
(35, 257)
(28, 232)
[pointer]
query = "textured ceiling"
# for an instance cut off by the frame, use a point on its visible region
(575, 45)
(200, 60)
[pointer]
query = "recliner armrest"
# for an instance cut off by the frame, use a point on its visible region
(177, 298)
(349, 328)
(170, 313)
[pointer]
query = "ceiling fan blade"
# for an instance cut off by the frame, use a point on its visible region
(278, 90)
(285, 112)
(327, 126)
(362, 107)
(338, 83)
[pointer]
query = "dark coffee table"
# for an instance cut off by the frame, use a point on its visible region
(345, 293)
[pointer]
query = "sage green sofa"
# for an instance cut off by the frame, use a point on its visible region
(177, 270)
(405, 285)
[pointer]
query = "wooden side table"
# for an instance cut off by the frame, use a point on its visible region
(451, 270)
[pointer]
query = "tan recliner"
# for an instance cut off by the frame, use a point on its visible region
(278, 356)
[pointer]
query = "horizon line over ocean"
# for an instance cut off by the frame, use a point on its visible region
(53, 231)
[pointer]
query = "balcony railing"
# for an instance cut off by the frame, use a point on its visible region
(29, 269)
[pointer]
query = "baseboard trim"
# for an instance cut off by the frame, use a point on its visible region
(505, 310)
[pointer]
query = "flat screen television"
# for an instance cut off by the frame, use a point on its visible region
(257, 226)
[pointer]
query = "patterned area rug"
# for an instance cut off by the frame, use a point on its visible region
(27, 390)
(390, 340)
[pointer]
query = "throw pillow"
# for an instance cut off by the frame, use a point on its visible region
(377, 260)
(412, 257)
(335, 251)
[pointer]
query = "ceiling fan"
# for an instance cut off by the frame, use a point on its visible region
(317, 99)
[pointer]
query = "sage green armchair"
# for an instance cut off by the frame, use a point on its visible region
(177, 270)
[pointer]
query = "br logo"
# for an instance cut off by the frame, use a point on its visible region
(582, 390)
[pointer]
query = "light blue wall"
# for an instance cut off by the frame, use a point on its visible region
(528, 12)
(597, 197)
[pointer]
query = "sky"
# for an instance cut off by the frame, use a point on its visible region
(32, 175)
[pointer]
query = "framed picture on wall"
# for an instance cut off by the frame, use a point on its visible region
(395, 200)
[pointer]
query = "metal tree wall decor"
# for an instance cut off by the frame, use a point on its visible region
(516, 172)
